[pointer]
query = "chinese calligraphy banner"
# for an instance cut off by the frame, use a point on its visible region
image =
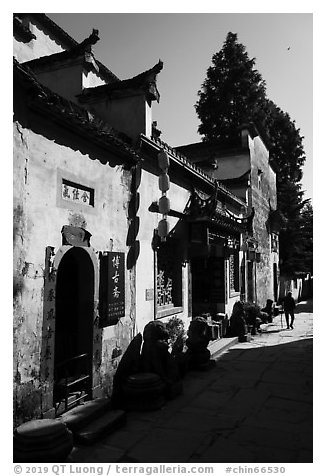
(112, 287)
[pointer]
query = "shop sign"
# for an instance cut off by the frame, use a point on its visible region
(112, 287)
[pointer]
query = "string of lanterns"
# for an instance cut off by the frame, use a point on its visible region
(164, 201)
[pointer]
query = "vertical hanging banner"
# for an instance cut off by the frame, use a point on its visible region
(112, 287)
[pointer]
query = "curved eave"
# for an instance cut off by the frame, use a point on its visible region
(142, 83)
(72, 117)
(182, 162)
(84, 130)
(220, 223)
(22, 32)
(67, 40)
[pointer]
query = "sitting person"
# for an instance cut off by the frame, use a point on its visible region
(197, 342)
(156, 358)
(238, 326)
(128, 365)
(253, 317)
(269, 310)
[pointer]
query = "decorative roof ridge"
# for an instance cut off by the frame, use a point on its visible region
(51, 25)
(209, 208)
(74, 113)
(221, 147)
(181, 157)
(24, 32)
(83, 49)
(146, 78)
(86, 44)
(186, 161)
(70, 42)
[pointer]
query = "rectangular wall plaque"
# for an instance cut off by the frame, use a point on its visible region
(112, 287)
(77, 193)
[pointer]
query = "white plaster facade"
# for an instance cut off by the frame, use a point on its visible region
(49, 151)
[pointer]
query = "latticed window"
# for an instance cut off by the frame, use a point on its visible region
(169, 275)
(234, 272)
(164, 289)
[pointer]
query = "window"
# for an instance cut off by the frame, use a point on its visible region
(168, 278)
(234, 273)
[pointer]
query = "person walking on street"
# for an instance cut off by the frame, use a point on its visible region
(289, 306)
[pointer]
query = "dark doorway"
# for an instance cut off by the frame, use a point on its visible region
(208, 289)
(275, 282)
(243, 280)
(251, 284)
(74, 327)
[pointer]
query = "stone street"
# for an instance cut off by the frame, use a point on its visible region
(255, 405)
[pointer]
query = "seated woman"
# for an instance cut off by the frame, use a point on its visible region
(238, 326)
(269, 310)
(156, 358)
(253, 317)
(197, 342)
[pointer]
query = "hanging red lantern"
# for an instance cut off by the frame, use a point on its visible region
(164, 205)
(164, 182)
(163, 160)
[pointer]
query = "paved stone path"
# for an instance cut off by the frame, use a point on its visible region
(254, 406)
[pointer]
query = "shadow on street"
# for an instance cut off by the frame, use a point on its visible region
(255, 405)
(304, 306)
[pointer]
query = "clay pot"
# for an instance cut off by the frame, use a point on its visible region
(143, 391)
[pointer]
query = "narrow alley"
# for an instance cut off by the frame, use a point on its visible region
(255, 405)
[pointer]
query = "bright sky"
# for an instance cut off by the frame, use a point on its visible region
(133, 42)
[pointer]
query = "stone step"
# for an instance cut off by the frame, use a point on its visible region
(100, 427)
(81, 415)
(218, 346)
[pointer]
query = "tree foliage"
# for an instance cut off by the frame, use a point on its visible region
(298, 258)
(307, 236)
(285, 145)
(233, 94)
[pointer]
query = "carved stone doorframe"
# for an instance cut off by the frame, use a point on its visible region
(52, 263)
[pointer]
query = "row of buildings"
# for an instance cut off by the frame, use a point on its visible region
(114, 228)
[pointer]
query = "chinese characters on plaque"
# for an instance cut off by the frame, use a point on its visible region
(77, 193)
(112, 287)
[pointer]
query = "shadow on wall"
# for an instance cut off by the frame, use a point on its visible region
(62, 135)
(134, 221)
